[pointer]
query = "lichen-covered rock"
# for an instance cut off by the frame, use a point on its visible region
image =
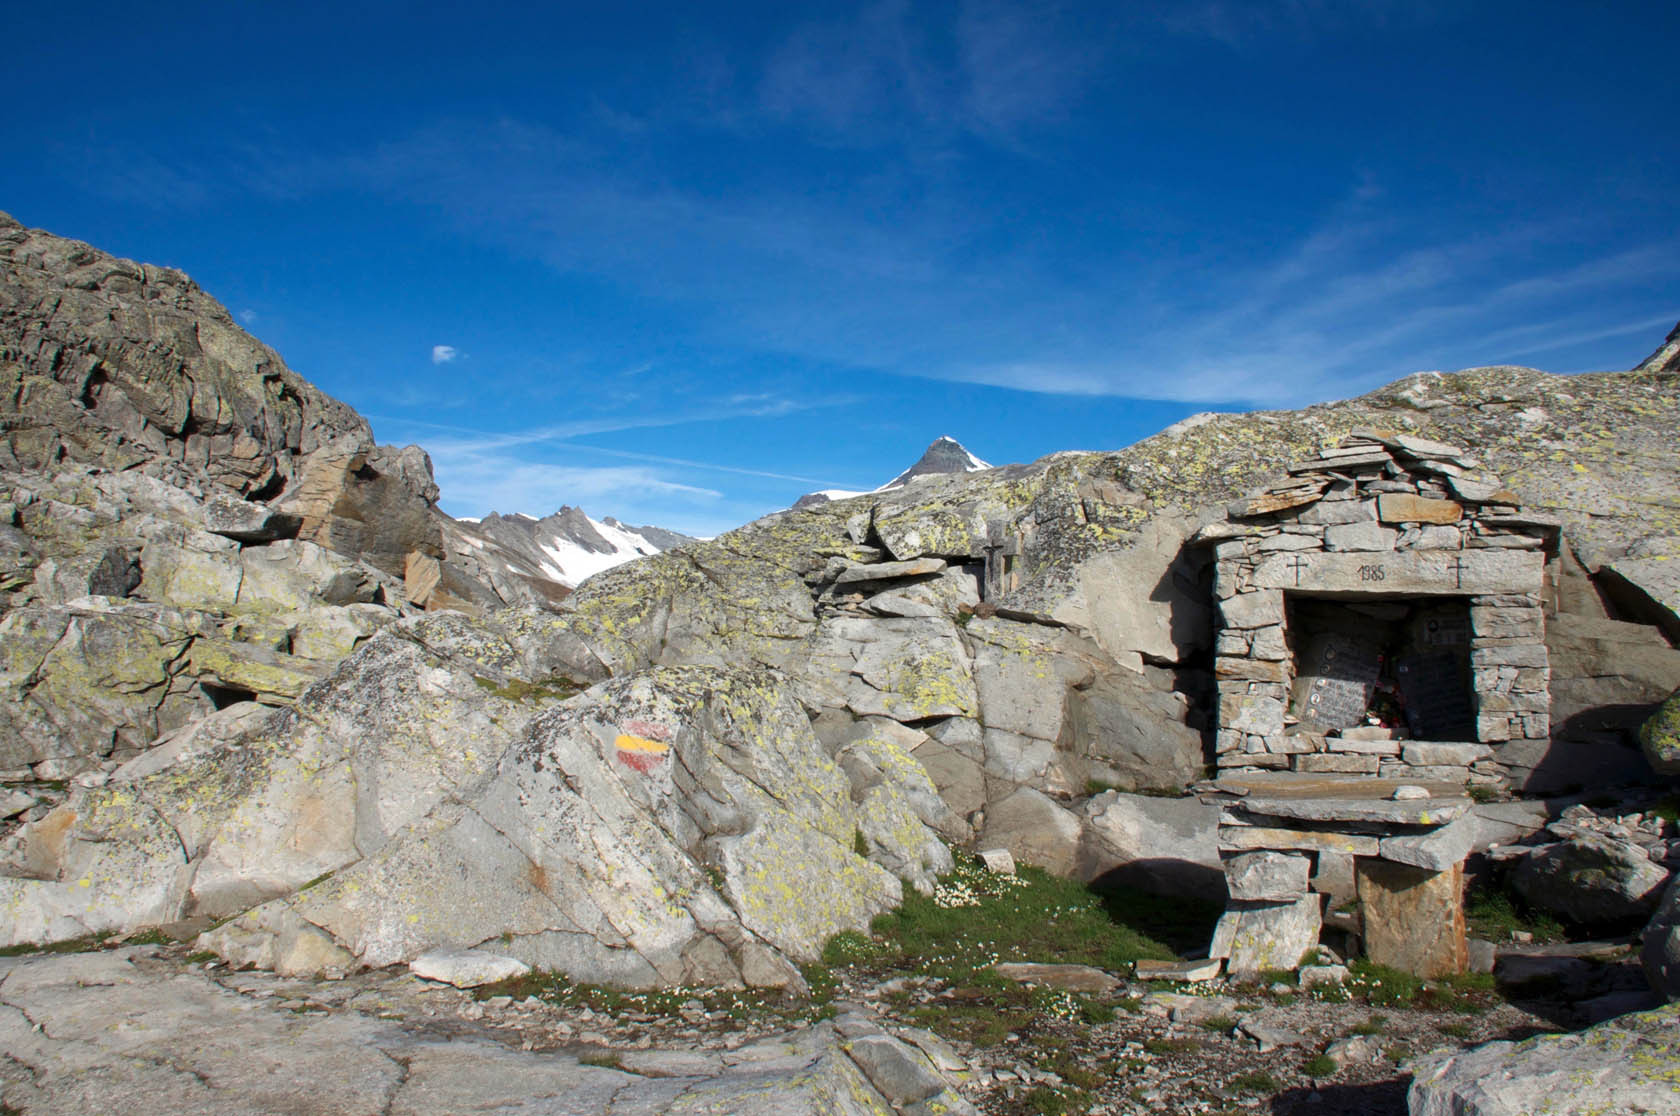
(676, 826)
(652, 831)
(1627, 1065)
(1659, 736)
(93, 677)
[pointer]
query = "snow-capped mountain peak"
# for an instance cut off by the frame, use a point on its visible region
(944, 455)
(565, 547)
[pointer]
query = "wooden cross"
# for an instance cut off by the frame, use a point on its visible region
(1296, 563)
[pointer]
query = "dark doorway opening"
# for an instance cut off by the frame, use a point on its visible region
(1398, 663)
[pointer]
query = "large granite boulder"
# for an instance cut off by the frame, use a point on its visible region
(1165, 845)
(1591, 879)
(1618, 1068)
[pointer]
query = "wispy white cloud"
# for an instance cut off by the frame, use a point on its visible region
(443, 354)
(249, 317)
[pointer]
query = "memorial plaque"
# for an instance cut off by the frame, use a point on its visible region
(1437, 696)
(1334, 687)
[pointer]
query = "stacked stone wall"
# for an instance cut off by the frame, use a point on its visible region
(1379, 518)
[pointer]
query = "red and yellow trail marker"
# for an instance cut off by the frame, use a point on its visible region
(639, 753)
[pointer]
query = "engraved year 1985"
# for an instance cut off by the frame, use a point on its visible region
(1371, 573)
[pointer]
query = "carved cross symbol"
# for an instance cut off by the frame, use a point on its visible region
(1458, 567)
(1296, 563)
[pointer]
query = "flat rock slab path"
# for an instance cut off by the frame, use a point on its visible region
(141, 1030)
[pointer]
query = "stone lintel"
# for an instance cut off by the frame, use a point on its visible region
(1404, 572)
(1248, 838)
(1414, 811)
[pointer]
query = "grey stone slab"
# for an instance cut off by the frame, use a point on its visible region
(1430, 753)
(1511, 654)
(1327, 512)
(1244, 838)
(1252, 713)
(1436, 851)
(1072, 978)
(1252, 610)
(1188, 972)
(1363, 747)
(888, 571)
(1256, 936)
(1426, 811)
(1267, 876)
(1422, 573)
(1340, 763)
(1360, 536)
(1275, 543)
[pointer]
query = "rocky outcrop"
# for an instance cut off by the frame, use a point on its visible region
(675, 826)
(134, 610)
(116, 364)
(185, 522)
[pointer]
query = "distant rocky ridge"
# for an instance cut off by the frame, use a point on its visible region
(943, 455)
(696, 765)
(567, 546)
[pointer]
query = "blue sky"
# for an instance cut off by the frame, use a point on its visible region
(682, 263)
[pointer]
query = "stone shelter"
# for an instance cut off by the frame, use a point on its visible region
(1379, 638)
(1380, 613)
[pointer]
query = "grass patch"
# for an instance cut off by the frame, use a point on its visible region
(742, 1005)
(607, 1060)
(87, 944)
(1319, 1065)
(153, 936)
(977, 918)
(1171, 1045)
(1456, 1029)
(1497, 915)
(202, 956)
(1381, 985)
(1372, 1026)
(1061, 1101)
(1219, 1024)
(1255, 1083)
(1668, 809)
